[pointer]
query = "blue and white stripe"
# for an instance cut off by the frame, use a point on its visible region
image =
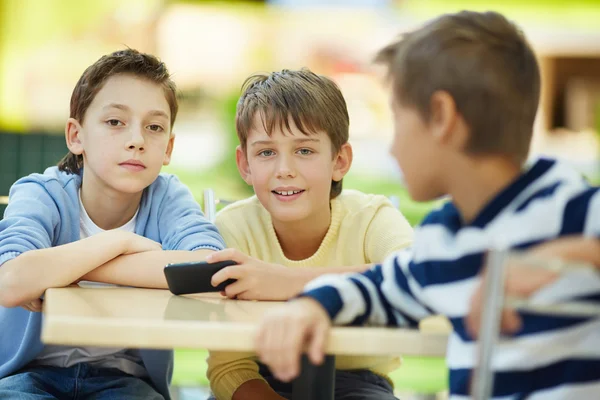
(552, 357)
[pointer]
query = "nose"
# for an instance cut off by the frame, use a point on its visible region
(285, 168)
(136, 139)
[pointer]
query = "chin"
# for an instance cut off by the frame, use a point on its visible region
(422, 195)
(288, 215)
(131, 186)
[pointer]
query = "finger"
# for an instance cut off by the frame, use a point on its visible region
(511, 322)
(267, 343)
(260, 342)
(245, 295)
(290, 352)
(36, 305)
(27, 307)
(473, 321)
(473, 318)
(277, 351)
(222, 292)
(40, 303)
(316, 345)
(234, 289)
(226, 255)
(231, 272)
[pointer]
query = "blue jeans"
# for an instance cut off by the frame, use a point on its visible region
(349, 385)
(79, 382)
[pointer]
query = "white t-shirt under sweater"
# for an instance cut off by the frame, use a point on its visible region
(126, 360)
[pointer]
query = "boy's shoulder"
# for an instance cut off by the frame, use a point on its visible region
(354, 201)
(446, 214)
(242, 210)
(243, 217)
(50, 177)
(164, 180)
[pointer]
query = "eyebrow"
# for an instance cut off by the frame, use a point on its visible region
(154, 113)
(268, 142)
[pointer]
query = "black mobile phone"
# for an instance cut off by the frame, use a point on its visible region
(194, 277)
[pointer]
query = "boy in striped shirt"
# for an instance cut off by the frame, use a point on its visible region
(465, 90)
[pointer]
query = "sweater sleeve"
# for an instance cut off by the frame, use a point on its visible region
(30, 220)
(387, 294)
(388, 232)
(182, 225)
(232, 236)
(228, 371)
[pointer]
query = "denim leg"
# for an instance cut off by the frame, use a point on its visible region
(362, 385)
(112, 384)
(349, 385)
(38, 383)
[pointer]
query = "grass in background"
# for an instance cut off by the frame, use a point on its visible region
(416, 375)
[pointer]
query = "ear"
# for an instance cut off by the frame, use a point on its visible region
(73, 136)
(242, 164)
(342, 162)
(169, 151)
(445, 121)
(443, 117)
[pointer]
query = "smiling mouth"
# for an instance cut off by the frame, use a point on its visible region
(287, 192)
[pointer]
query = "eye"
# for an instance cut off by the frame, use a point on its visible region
(155, 128)
(114, 122)
(305, 152)
(266, 153)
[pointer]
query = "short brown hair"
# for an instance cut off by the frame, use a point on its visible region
(314, 102)
(126, 61)
(485, 63)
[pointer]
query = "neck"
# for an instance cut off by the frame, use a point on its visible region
(108, 208)
(477, 181)
(300, 240)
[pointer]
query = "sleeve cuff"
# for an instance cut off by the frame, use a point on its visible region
(232, 381)
(207, 247)
(9, 255)
(328, 297)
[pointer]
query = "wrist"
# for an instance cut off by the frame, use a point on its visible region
(119, 241)
(300, 277)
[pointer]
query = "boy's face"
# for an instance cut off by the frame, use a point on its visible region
(417, 153)
(291, 173)
(126, 135)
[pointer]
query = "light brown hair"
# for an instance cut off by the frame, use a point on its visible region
(485, 63)
(128, 61)
(313, 102)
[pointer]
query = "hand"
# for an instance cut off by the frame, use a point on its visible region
(138, 244)
(286, 331)
(522, 281)
(256, 280)
(34, 306)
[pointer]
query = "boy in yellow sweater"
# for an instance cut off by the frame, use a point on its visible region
(294, 151)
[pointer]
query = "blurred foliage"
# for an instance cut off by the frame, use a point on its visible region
(417, 374)
(580, 15)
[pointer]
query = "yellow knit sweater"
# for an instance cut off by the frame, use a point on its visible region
(364, 229)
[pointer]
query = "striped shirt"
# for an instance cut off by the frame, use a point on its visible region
(551, 357)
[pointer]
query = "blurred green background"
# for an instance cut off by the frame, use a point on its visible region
(210, 47)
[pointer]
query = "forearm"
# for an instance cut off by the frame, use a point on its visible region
(26, 277)
(256, 389)
(573, 248)
(587, 250)
(142, 269)
(397, 306)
